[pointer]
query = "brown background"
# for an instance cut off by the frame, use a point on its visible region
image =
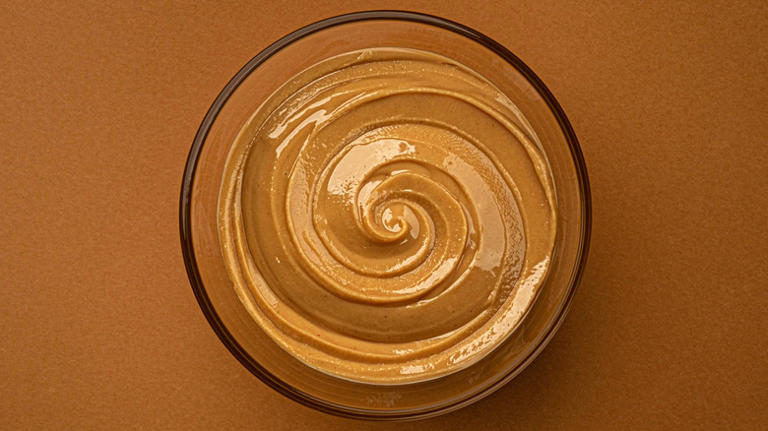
(99, 327)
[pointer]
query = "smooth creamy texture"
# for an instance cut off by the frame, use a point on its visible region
(387, 216)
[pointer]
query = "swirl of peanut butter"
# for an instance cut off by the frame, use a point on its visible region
(387, 216)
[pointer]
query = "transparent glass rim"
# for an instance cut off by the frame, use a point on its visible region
(185, 203)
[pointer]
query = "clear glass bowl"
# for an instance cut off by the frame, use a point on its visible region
(200, 190)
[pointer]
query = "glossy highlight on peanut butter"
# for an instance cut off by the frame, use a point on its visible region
(387, 216)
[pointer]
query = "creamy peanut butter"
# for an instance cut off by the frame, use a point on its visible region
(387, 216)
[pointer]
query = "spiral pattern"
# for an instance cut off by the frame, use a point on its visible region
(387, 216)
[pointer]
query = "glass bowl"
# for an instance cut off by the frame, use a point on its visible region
(256, 81)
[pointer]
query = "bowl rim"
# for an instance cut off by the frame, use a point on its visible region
(185, 202)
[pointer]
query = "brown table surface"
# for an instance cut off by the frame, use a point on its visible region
(100, 102)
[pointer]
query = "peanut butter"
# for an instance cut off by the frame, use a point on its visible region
(387, 216)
